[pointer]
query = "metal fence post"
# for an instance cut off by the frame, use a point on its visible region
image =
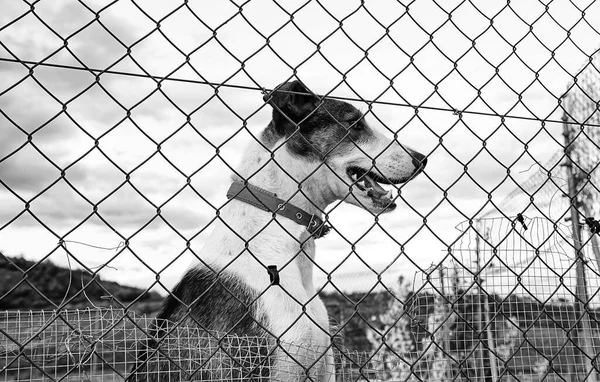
(489, 332)
(483, 316)
(581, 288)
(480, 366)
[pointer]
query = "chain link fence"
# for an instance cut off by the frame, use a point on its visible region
(123, 124)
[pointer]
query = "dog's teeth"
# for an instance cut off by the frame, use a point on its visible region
(389, 194)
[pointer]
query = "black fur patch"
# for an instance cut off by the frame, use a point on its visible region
(315, 127)
(333, 126)
(218, 304)
(270, 135)
(205, 304)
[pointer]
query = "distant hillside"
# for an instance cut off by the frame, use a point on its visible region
(28, 285)
(44, 285)
(40, 285)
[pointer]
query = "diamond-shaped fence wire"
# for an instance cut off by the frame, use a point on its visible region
(507, 303)
(333, 257)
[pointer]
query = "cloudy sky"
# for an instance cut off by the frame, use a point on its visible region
(480, 57)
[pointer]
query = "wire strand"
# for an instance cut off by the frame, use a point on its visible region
(245, 87)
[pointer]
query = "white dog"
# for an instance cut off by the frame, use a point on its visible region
(314, 152)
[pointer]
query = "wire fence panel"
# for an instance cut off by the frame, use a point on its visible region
(267, 191)
(104, 344)
(511, 310)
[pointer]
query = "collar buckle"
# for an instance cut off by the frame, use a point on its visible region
(315, 229)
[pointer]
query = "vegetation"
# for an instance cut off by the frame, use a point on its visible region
(442, 338)
(45, 285)
(31, 285)
(474, 335)
(354, 314)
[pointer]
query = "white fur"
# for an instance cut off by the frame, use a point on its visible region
(287, 244)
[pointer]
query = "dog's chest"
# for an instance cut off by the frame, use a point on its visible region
(293, 308)
(299, 316)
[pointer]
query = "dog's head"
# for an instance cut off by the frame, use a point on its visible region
(350, 158)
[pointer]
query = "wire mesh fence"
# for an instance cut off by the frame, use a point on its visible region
(104, 345)
(123, 124)
(507, 303)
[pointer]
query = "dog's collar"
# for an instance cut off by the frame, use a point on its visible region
(269, 201)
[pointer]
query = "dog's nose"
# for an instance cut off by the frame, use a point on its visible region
(418, 160)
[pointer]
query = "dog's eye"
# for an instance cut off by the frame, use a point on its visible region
(356, 124)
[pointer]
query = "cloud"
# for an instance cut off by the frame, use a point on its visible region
(61, 209)
(28, 173)
(159, 117)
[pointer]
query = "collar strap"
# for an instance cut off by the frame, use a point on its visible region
(268, 201)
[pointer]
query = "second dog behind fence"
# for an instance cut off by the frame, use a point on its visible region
(314, 152)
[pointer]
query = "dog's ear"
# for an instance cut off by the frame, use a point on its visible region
(292, 102)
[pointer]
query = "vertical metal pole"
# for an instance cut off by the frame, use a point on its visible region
(447, 312)
(581, 287)
(480, 372)
(442, 284)
(490, 342)
(459, 366)
(98, 325)
(490, 335)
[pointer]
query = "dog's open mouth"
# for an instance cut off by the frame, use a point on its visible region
(369, 182)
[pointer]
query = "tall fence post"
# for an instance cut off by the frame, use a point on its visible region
(490, 333)
(581, 288)
(480, 365)
(483, 318)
